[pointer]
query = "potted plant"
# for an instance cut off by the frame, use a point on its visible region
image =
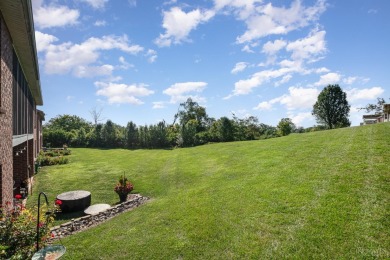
(123, 188)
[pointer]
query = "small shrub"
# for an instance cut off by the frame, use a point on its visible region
(18, 227)
(53, 157)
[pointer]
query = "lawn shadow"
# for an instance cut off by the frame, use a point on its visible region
(69, 215)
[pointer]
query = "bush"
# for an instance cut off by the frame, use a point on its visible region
(18, 230)
(53, 157)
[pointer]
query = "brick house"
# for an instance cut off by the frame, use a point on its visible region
(20, 94)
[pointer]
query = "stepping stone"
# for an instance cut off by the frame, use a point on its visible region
(97, 208)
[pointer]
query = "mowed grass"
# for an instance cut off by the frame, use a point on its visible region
(322, 195)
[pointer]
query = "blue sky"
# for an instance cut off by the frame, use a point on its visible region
(138, 60)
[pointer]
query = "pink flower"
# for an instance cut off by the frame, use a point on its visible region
(18, 196)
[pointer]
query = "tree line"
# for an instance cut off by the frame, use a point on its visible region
(191, 127)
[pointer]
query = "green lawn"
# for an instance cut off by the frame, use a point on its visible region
(322, 195)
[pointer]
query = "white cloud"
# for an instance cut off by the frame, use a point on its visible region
(158, 105)
(240, 66)
(351, 80)
(267, 20)
(54, 16)
(96, 4)
(100, 23)
(122, 93)
(271, 48)
(181, 91)
(178, 25)
(364, 94)
(308, 48)
(328, 79)
(244, 87)
(263, 106)
(298, 98)
(93, 71)
(321, 70)
(43, 40)
(301, 117)
(124, 64)
(152, 55)
(284, 80)
(247, 49)
(81, 59)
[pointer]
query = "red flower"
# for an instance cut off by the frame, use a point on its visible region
(18, 196)
(58, 202)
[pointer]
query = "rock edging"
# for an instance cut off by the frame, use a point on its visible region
(82, 223)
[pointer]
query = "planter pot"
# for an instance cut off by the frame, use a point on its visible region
(122, 197)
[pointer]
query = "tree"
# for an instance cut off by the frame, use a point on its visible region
(96, 115)
(226, 129)
(190, 110)
(285, 127)
(332, 108)
(68, 123)
(109, 134)
(378, 107)
(131, 135)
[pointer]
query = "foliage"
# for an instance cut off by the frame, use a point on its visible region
(18, 230)
(68, 123)
(226, 129)
(191, 110)
(131, 135)
(286, 127)
(332, 108)
(53, 157)
(124, 186)
(377, 108)
(56, 137)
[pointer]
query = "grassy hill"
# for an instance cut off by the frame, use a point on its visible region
(317, 195)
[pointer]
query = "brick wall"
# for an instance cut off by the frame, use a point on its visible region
(6, 158)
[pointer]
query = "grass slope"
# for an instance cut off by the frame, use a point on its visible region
(315, 195)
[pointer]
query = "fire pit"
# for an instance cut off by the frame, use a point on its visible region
(74, 200)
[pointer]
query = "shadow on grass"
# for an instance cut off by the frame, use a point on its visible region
(69, 216)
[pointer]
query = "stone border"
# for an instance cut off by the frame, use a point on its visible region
(79, 224)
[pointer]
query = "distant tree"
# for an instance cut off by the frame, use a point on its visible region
(159, 135)
(95, 136)
(68, 123)
(80, 138)
(96, 115)
(285, 127)
(267, 131)
(131, 135)
(56, 138)
(332, 108)
(188, 133)
(109, 134)
(191, 110)
(377, 108)
(226, 129)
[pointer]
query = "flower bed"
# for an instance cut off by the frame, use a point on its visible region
(82, 223)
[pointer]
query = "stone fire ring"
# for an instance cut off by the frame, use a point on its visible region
(74, 200)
